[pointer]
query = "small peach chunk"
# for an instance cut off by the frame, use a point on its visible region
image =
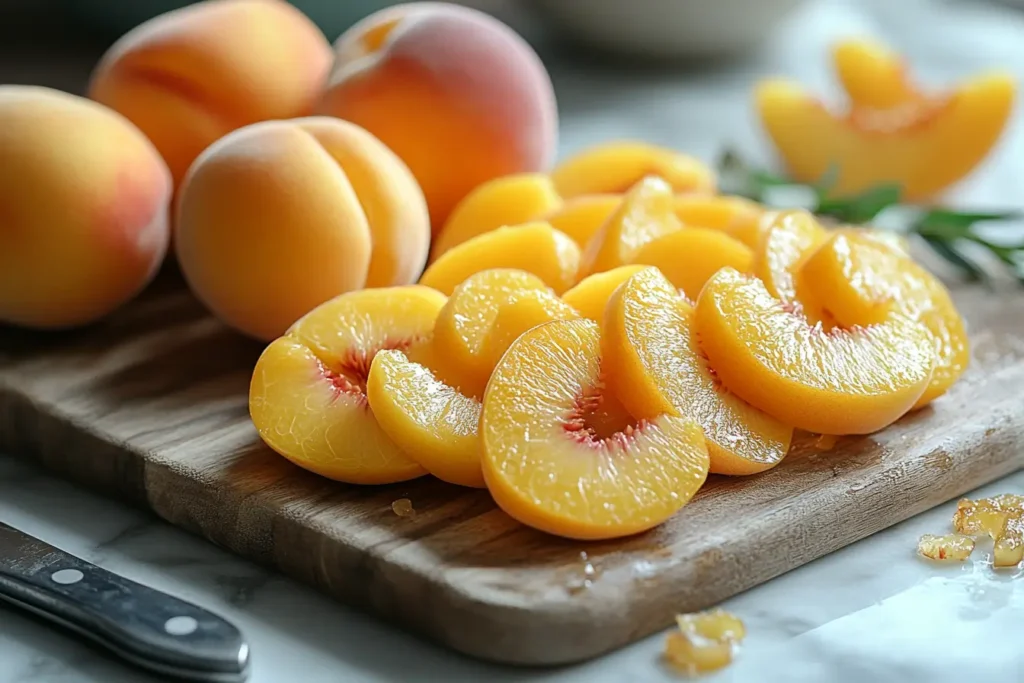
(1008, 550)
(509, 200)
(836, 382)
(705, 642)
(615, 167)
(308, 393)
(690, 256)
(278, 217)
(193, 75)
(534, 247)
(484, 315)
(590, 296)
(646, 213)
(581, 217)
(84, 202)
(951, 548)
(655, 366)
(863, 282)
(430, 421)
(738, 217)
(548, 467)
(988, 515)
(457, 94)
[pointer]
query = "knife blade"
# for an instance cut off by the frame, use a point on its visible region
(143, 626)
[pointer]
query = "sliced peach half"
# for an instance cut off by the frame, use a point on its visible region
(614, 167)
(873, 75)
(864, 282)
(590, 296)
(508, 200)
(690, 256)
(307, 397)
(534, 247)
(788, 238)
(489, 309)
(581, 217)
(924, 147)
(736, 216)
(647, 212)
(548, 467)
(841, 381)
(656, 366)
(432, 422)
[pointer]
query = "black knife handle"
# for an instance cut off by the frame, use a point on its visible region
(144, 626)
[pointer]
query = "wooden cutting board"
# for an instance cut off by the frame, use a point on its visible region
(150, 407)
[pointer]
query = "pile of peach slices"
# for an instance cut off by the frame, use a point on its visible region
(591, 365)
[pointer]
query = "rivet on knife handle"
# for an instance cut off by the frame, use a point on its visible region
(147, 627)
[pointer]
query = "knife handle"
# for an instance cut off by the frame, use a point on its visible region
(144, 626)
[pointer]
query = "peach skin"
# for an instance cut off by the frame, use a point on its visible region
(924, 144)
(278, 217)
(307, 398)
(614, 167)
(84, 200)
(192, 75)
(457, 94)
(510, 200)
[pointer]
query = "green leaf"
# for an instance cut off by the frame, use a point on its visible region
(965, 219)
(948, 252)
(863, 207)
(823, 188)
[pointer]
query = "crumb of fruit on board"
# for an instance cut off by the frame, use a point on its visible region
(704, 642)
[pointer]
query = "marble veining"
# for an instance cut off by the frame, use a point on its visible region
(870, 612)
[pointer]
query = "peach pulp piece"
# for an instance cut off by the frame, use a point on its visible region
(787, 240)
(738, 217)
(534, 247)
(581, 217)
(690, 256)
(873, 76)
(308, 400)
(549, 468)
(841, 381)
(705, 642)
(987, 516)
(924, 147)
(950, 548)
(864, 282)
(646, 213)
(655, 366)
(590, 296)
(1008, 550)
(614, 167)
(508, 200)
(471, 315)
(430, 421)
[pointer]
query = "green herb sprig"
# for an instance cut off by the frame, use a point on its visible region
(944, 230)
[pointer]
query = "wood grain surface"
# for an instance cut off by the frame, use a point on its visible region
(150, 406)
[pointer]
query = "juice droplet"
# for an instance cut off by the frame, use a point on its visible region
(403, 508)
(826, 442)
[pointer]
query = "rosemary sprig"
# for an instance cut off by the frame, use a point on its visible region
(945, 231)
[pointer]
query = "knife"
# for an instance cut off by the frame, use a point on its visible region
(143, 626)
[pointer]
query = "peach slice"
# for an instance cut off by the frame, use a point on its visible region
(429, 420)
(656, 366)
(614, 167)
(545, 464)
(736, 216)
(692, 255)
(854, 381)
(534, 247)
(924, 147)
(590, 296)
(864, 282)
(509, 200)
(788, 239)
(646, 213)
(307, 398)
(484, 315)
(872, 75)
(581, 217)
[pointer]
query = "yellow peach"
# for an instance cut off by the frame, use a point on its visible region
(581, 217)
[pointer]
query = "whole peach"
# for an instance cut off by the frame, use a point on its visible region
(192, 75)
(457, 94)
(279, 216)
(84, 201)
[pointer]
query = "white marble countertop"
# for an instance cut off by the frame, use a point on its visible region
(871, 612)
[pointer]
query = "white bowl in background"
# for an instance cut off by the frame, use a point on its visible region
(666, 29)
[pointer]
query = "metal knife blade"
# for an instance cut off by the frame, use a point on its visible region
(142, 625)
